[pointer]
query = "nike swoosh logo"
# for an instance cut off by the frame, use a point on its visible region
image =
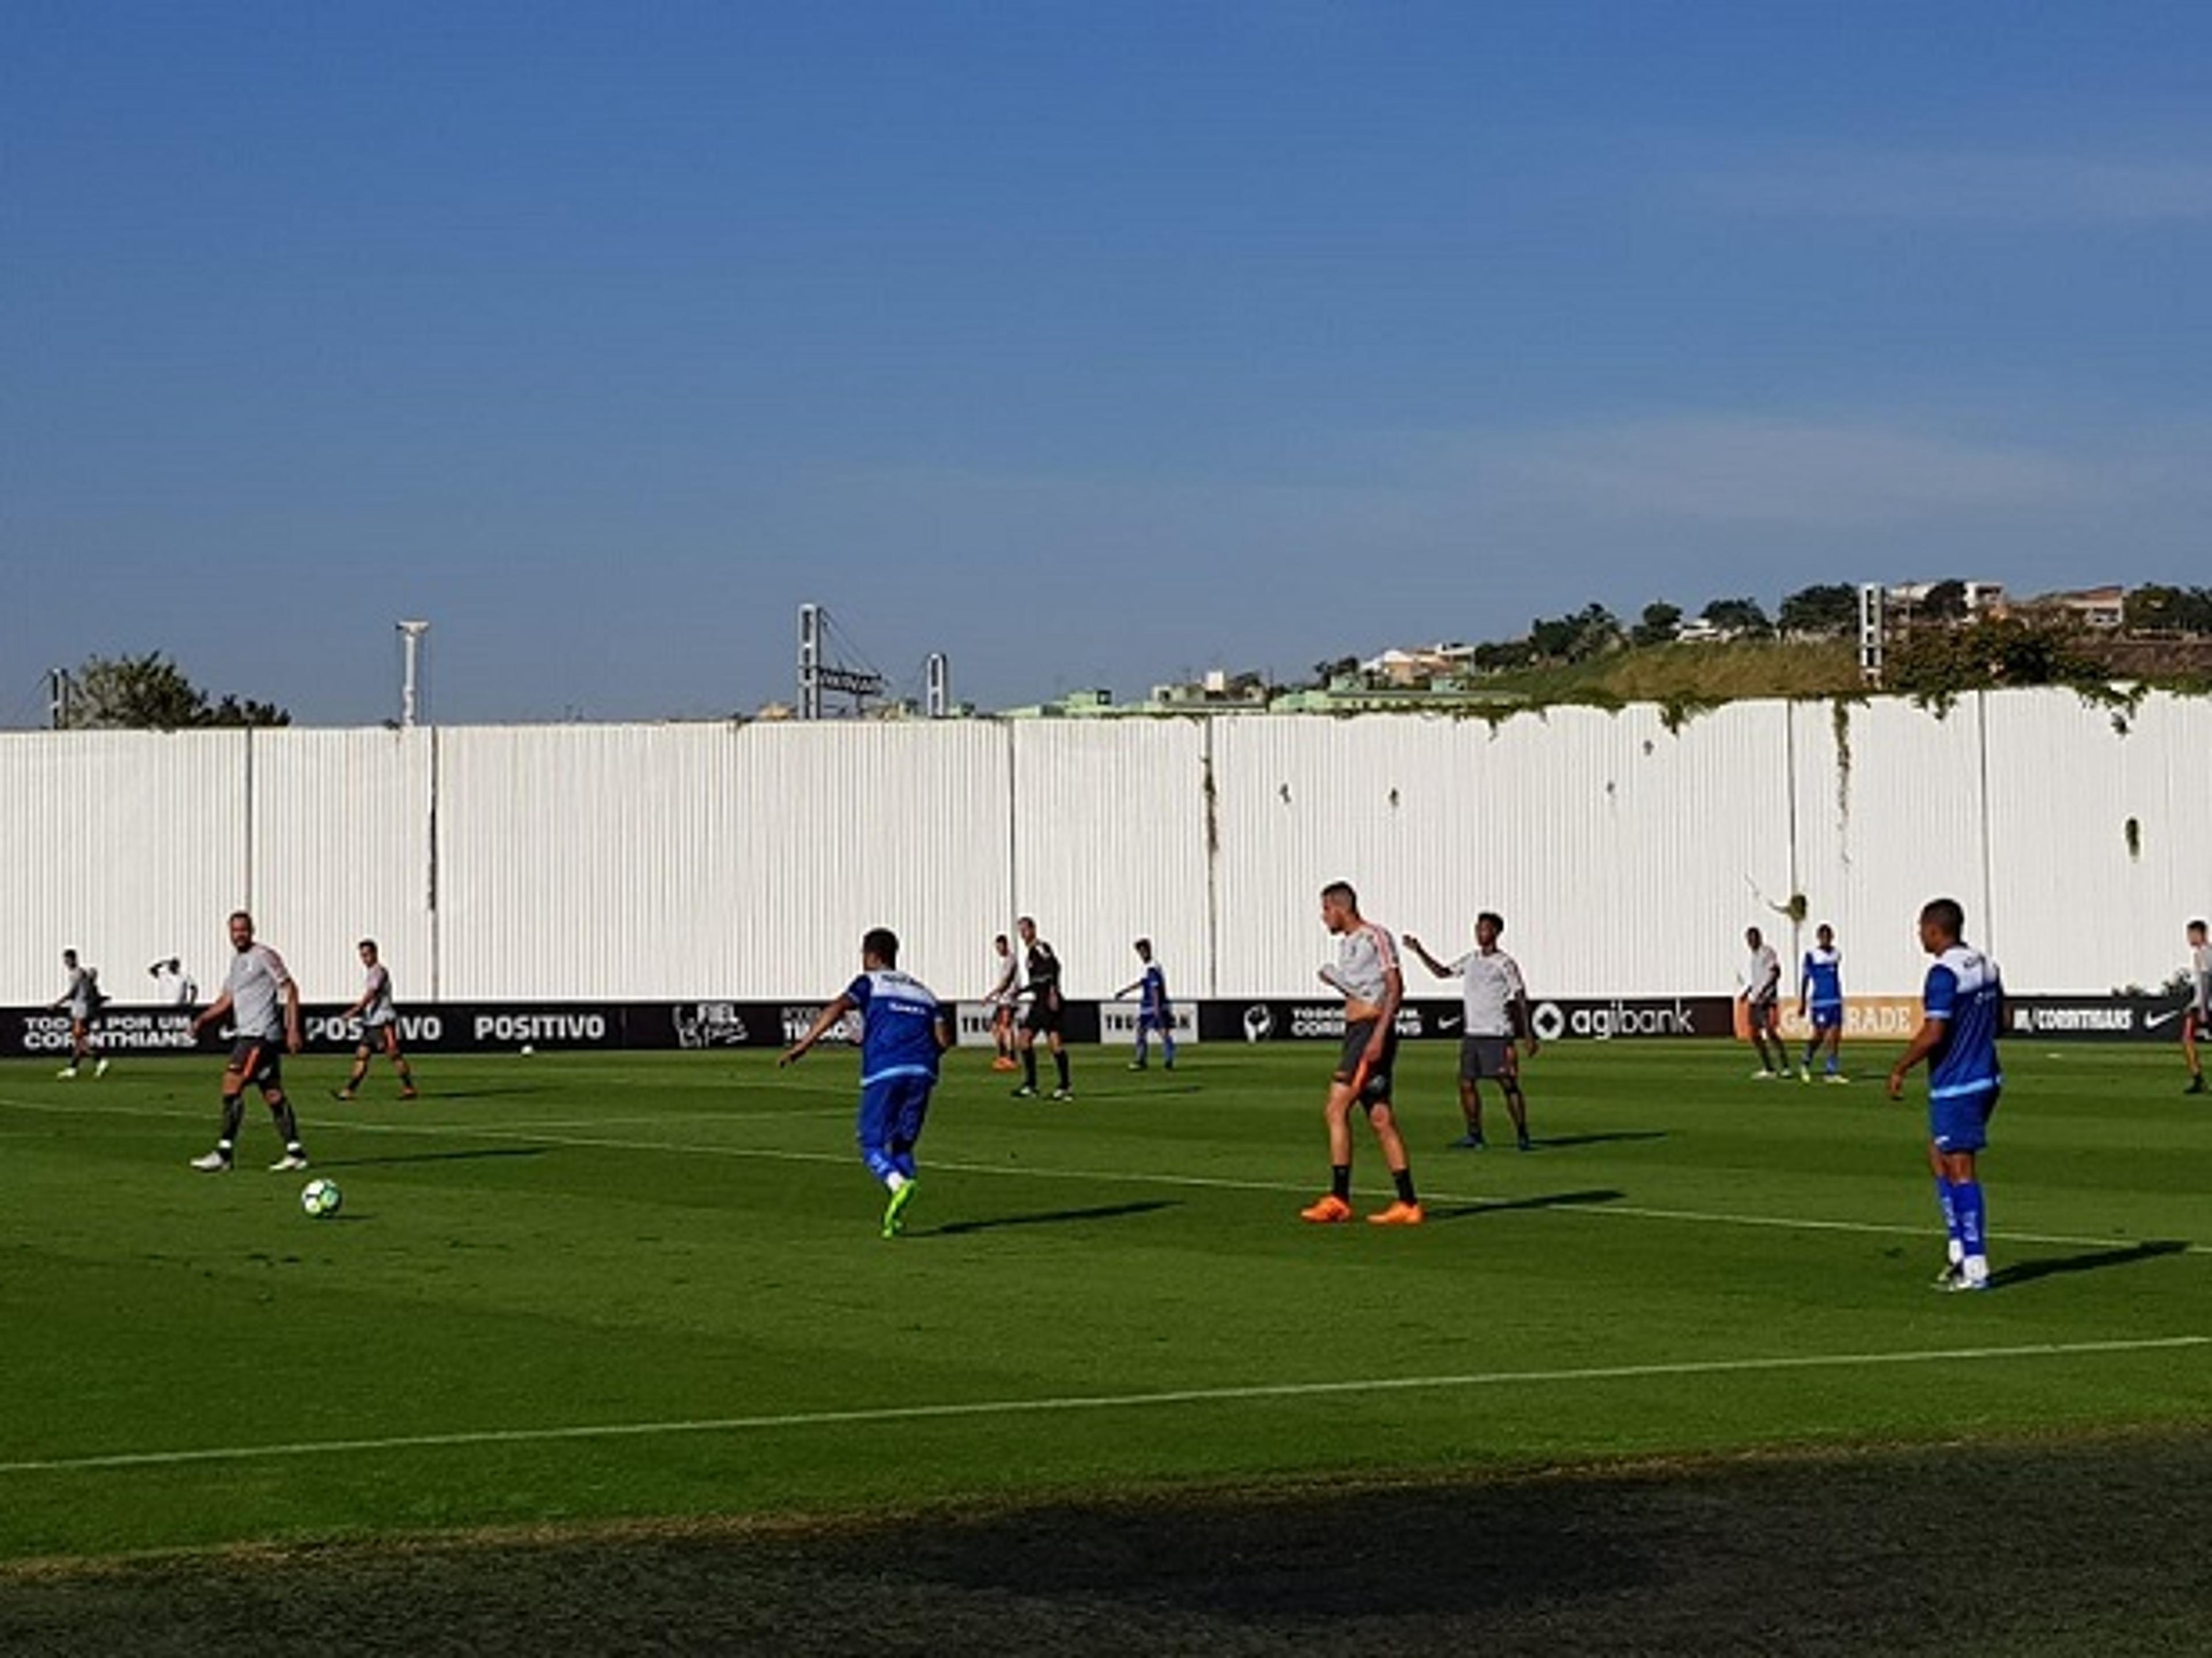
(2152, 1021)
(1450, 1022)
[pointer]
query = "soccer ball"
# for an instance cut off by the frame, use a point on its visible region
(321, 1198)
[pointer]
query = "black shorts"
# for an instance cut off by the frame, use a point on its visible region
(1372, 1082)
(1044, 1017)
(1486, 1057)
(380, 1038)
(260, 1060)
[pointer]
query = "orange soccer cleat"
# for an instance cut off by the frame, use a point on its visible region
(1398, 1214)
(1329, 1211)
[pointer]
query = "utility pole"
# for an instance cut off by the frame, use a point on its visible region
(938, 697)
(1873, 622)
(59, 688)
(410, 649)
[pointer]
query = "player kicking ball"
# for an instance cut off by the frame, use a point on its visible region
(1962, 1005)
(1366, 972)
(904, 1029)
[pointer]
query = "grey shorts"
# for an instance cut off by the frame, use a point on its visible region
(1486, 1058)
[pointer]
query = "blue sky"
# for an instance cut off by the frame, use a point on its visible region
(1090, 343)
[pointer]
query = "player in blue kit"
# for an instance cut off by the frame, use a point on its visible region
(1962, 1007)
(903, 1030)
(1153, 1013)
(1820, 995)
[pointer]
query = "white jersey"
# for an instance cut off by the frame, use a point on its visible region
(1762, 974)
(1365, 957)
(1489, 985)
(377, 993)
(255, 987)
(2200, 970)
(1006, 979)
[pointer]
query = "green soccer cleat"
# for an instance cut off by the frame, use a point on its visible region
(895, 1211)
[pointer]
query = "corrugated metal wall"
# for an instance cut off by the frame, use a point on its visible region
(126, 845)
(696, 861)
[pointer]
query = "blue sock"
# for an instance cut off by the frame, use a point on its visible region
(1143, 1040)
(880, 1162)
(1835, 1062)
(1966, 1199)
(1944, 1201)
(1167, 1049)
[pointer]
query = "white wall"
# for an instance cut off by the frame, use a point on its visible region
(743, 861)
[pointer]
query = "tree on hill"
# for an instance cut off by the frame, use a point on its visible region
(151, 693)
(1589, 632)
(1826, 610)
(1659, 624)
(2158, 610)
(1946, 601)
(1738, 615)
(1936, 664)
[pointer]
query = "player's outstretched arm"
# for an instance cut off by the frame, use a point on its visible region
(1434, 966)
(216, 1009)
(823, 1023)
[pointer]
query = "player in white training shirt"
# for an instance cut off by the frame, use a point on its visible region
(1495, 1003)
(1760, 992)
(379, 1027)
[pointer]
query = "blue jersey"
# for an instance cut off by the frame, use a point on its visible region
(1823, 976)
(1963, 991)
(898, 1026)
(1153, 997)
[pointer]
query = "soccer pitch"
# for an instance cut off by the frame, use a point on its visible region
(570, 1290)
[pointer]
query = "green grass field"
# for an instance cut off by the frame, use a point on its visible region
(571, 1289)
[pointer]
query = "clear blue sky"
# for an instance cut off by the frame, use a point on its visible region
(1092, 344)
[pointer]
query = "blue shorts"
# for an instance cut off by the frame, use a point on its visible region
(1961, 1122)
(1827, 1016)
(892, 1111)
(1154, 1019)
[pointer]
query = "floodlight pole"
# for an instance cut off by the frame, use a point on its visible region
(410, 646)
(58, 687)
(811, 619)
(938, 701)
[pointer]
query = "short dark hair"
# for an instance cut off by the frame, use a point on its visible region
(366, 943)
(999, 939)
(1144, 945)
(2199, 926)
(1025, 920)
(68, 956)
(881, 942)
(1494, 918)
(240, 916)
(1342, 892)
(1945, 914)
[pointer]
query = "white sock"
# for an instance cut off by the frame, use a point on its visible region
(896, 1181)
(1977, 1269)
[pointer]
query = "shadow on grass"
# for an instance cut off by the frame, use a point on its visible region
(2027, 1272)
(1555, 1142)
(1051, 1218)
(1544, 1200)
(432, 1157)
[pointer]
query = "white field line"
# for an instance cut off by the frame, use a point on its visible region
(1075, 1402)
(524, 1134)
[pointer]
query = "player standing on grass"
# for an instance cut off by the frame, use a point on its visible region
(83, 1000)
(1366, 972)
(903, 1030)
(1962, 1006)
(1046, 1010)
(1820, 996)
(380, 1027)
(1761, 993)
(1005, 994)
(263, 1004)
(1496, 1003)
(2196, 1023)
(1153, 1013)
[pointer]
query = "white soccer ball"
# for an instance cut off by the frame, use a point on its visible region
(321, 1198)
